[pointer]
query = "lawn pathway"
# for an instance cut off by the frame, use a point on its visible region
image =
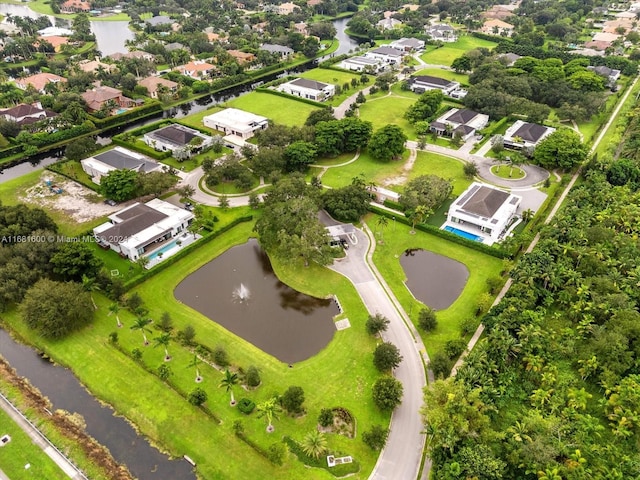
(327, 167)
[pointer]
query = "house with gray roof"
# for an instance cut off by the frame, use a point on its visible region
(177, 139)
(159, 20)
(408, 44)
(389, 55)
(145, 230)
(482, 211)
(461, 122)
(117, 158)
(441, 33)
(362, 63)
(422, 83)
(612, 75)
(523, 134)
(308, 88)
(279, 49)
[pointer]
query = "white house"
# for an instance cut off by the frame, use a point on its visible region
(117, 159)
(441, 33)
(388, 55)
(177, 138)
(281, 50)
(236, 122)
(422, 83)
(408, 44)
(522, 134)
(388, 23)
(459, 121)
(307, 88)
(143, 229)
(497, 27)
(482, 210)
(362, 63)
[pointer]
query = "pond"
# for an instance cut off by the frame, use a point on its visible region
(65, 392)
(435, 280)
(239, 291)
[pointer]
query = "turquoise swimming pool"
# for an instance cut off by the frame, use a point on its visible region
(463, 234)
(163, 250)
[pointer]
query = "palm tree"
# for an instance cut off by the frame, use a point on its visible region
(163, 340)
(314, 444)
(115, 308)
(194, 363)
(382, 223)
(141, 324)
(527, 215)
(269, 409)
(89, 285)
(417, 216)
(229, 380)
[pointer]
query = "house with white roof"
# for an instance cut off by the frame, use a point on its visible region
(232, 121)
(388, 23)
(408, 44)
(422, 83)
(483, 211)
(461, 122)
(389, 55)
(117, 159)
(143, 228)
(308, 88)
(497, 27)
(362, 63)
(523, 134)
(441, 32)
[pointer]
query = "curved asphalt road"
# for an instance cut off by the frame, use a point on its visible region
(401, 457)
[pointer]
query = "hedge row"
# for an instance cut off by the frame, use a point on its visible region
(493, 128)
(122, 118)
(45, 139)
(292, 97)
(393, 205)
(480, 247)
(10, 151)
(333, 60)
(174, 258)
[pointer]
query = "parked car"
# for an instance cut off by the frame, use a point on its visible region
(110, 202)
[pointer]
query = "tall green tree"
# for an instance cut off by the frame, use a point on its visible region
(75, 260)
(386, 356)
(228, 382)
(269, 409)
(562, 149)
(387, 143)
(163, 341)
(387, 393)
(120, 185)
(142, 324)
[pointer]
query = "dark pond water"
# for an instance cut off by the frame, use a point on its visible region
(65, 392)
(239, 291)
(435, 280)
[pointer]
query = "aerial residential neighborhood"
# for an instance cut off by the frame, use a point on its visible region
(319, 239)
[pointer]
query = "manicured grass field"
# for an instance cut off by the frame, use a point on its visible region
(446, 74)
(21, 451)
(195, 119)
(446, 54)
(389, 109)
(279, 109)
(446, 167)
(505, 171)
(397, 239)
(372, 170)
(336, 77)
(340, 375)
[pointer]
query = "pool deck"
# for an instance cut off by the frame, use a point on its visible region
(186, 239)
(467, 228)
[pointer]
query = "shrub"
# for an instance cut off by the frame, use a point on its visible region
(136, 353)
(468, 326)
(220, 356)
(292, 399)
(376, 437)
(494, 284)
(197, 397)
(166, 323)
(440, 365)
(164, 371)
(246, 406)
(253, 376)
(113, 337)
(376, 323)
(387, 393)
(427, 319)
(454, 348)
(386, 356)
(325, 418)
(277, 453)
(187, 336)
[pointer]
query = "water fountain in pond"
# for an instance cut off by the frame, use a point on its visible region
(241, 293)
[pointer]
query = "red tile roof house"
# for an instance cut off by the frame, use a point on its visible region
(99, 96)
(39, 81)
(197, 69)
(75, 6)
(153, 84)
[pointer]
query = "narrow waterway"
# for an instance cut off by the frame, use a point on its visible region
(65, 392)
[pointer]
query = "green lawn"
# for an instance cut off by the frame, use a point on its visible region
(339, 375)
(326, 75)
(195, 161)
(389, 110)
(446, 54)
(505, 171)
(195, 119)
(21, 451)
(446, 74)
(386, 257)
(279, 109)
(372, 170)
(446, 167)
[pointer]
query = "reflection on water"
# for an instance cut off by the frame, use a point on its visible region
(285, 323)
(435, 280)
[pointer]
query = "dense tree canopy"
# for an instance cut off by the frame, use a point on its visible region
(387, 143)
(562, 149)
(56, 308)
(427, 190)
(347, 204)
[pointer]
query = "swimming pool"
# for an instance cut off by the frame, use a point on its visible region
(463, 234)
(162, 250)
(121, 110)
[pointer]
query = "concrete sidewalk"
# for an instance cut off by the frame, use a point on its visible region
(41, 441)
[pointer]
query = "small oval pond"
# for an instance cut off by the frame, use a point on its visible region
(239, 291)
(435, 280)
